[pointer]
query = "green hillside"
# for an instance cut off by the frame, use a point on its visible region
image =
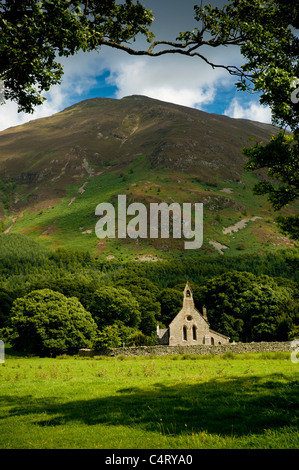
(56, 170)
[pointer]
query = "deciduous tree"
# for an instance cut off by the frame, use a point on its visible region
(109, 305)
(249, 308)
(34, 34)
(48, 323)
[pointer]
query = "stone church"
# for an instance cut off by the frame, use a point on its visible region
(189, 327)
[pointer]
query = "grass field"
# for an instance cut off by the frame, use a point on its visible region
(176, 402)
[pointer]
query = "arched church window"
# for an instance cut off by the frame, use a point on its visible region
(188, 294)
(212, 341)
(194, 332)
(184, 333)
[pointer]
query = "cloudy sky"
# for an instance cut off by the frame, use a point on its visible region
(174, 78)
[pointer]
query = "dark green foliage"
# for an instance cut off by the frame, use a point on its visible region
(171, 301)
(249, 308)
(148, 322)
(257, 301)
(281, 158)
(45, 322)
(109, 305)
(108, 337)
(34, 34)
(6, 301)
(146, 293)
(25, 263)
(7, 189)
(139, 339)
(67, 258)
(19, 254)
(81, 287)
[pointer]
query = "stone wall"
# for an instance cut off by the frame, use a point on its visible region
(161, 350)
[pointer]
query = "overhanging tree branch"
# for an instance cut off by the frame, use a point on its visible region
(187, 49)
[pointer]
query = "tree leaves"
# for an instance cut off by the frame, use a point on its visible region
(33, 34)
(47, 322)
(248, 307)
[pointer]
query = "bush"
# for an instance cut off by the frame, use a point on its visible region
(109, 337)
(140, 339)
(45, 322)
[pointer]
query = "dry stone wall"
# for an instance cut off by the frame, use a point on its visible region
(161, 350)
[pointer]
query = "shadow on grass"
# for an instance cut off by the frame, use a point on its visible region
(241, 405)
(12, 353)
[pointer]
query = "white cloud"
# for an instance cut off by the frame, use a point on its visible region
(182, 96)
(177, 80)
(252, 111)
(173, 78)
(79, 77)
(9, 111)
(182, 80)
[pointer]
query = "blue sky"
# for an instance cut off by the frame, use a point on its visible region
(177, 79)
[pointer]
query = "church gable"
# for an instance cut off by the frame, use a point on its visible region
(190, 327)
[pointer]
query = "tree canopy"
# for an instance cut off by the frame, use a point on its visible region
(46, 322)
(109, 305)
(33, 34)
(146, 293)
(257, 301)
(248, 308)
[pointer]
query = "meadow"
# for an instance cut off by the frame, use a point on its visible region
(242, 401)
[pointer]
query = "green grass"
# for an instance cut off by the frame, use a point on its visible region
(178, 402)
(70, 221)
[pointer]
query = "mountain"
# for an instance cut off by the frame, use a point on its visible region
(56, 170)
